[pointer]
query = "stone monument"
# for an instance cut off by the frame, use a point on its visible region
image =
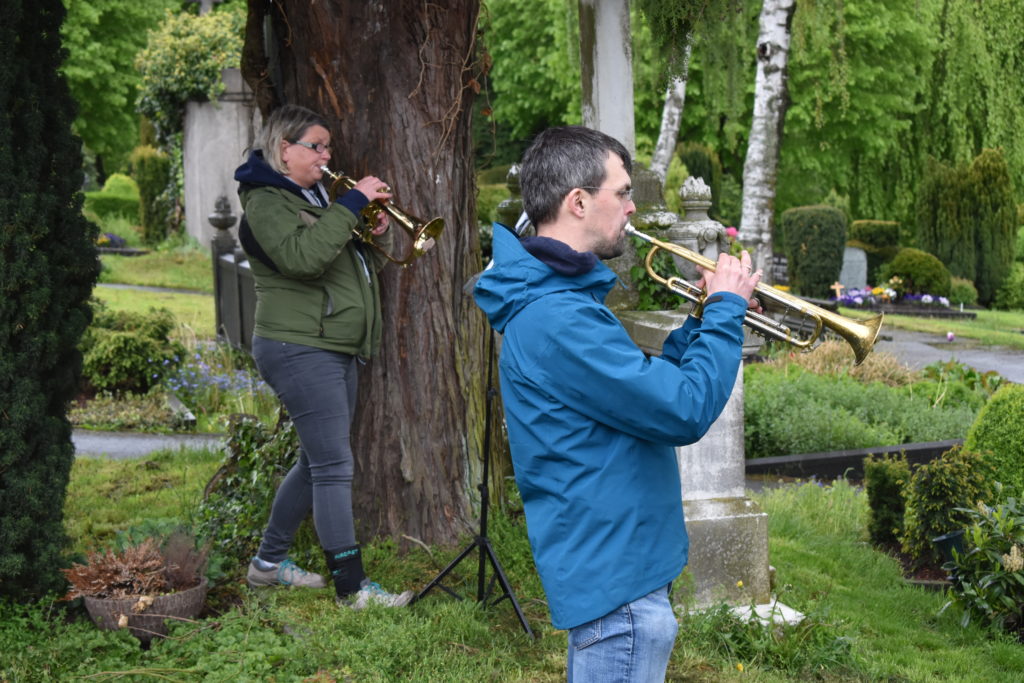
(854, 274)
(728, 532)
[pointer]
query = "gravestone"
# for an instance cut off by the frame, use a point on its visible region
(216, 138)
(854, 274)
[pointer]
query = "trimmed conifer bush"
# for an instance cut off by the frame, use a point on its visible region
(994, 217)
(962, 291)
(880, 241)
(815, 237)
(884, 480)
(152, 169)
(48, 266)
(999, 432)
(958, 478)
(1010, 295)
(119, 197)
(920, 272)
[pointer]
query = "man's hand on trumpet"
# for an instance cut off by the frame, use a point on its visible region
(734, 275)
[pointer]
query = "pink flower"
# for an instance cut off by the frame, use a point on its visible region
(732, 232)
(950, 336)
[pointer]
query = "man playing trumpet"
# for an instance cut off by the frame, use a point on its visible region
(593, 423)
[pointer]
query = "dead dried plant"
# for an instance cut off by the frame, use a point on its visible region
(143, 569)
(835, 358)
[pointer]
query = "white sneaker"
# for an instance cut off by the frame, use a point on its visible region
(286, 573)
(372, 593)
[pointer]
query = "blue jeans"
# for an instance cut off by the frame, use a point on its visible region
(631, 644)
(318, 388)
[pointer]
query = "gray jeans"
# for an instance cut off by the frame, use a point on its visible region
(318, 388)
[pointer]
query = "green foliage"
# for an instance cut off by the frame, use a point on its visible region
(993, 216)
(935, 496)
(816, 643)
(702, 162)
(989, 584)
(943, 228)
(129, 352)
(885, 477)
(953, 372)
(998, 431)
(487, 199)
(919, 273)
(152, 171)
(238, 497)
(789, 410)
(118, 198)
(962, 291)
(126, 413)
(183, 60)
(815, 237)
(48, 267)
(101, 38)
(653, 296)
(1019, 252)
(1010, 295)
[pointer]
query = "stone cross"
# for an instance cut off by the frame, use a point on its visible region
(837, 288)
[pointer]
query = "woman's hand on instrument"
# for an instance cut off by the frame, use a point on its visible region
(734, 275)
(373, 188)
(382, 224)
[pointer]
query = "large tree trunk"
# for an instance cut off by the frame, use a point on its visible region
(396, 81)
(671, 117)
(770, 102)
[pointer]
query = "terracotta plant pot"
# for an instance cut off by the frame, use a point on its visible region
(146, 621)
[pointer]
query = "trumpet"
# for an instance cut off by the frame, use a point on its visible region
(860, 335)
(422, 233)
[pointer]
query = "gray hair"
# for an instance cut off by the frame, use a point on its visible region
(561, 159)
(288, 122)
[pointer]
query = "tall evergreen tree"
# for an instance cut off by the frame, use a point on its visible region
(48, 266)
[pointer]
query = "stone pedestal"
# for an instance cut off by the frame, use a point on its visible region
(728, 531)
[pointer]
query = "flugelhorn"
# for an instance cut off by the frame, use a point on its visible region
(860, 335)
(422, 234)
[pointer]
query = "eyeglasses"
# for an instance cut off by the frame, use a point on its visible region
(624, 195)
(317, 147)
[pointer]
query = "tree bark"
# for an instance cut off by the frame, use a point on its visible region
(396, 81)
(671, 117)
(770, 102)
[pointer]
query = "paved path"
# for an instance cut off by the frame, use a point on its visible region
(918, 349)
(122, 445)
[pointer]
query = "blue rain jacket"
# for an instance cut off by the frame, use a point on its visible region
(592, 425)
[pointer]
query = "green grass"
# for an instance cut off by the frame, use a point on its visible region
(195, 313)
(883, 628)
(187, 268)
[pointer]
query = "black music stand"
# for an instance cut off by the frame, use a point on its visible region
(481, 541)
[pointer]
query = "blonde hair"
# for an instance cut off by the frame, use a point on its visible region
(286, 123)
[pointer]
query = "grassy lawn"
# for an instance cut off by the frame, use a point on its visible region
(186, 268)
(195, 313)
(865, 623)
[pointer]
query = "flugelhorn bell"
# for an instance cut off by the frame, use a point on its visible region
(423, 234)
(859, 334)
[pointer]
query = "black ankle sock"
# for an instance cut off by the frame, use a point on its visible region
(346, 566)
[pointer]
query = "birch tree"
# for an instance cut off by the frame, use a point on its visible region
(671, 117)
(770, 101)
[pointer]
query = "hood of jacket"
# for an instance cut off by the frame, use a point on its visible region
(516, 277)
(256, 172)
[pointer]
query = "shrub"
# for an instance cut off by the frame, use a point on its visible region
(989, 583)
(993, 216)
(815, 237)
(651, 295)
(129, 352)
(962, 291)
(826, 413)
(119, 197)
(935, 496)
(237, 499)
(919, 271)
(999, 432)
(1010, 295)
(487, 199)
(884, 479)
(152, 169)
(1018, 254)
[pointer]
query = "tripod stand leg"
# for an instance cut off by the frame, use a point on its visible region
(499, 574)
